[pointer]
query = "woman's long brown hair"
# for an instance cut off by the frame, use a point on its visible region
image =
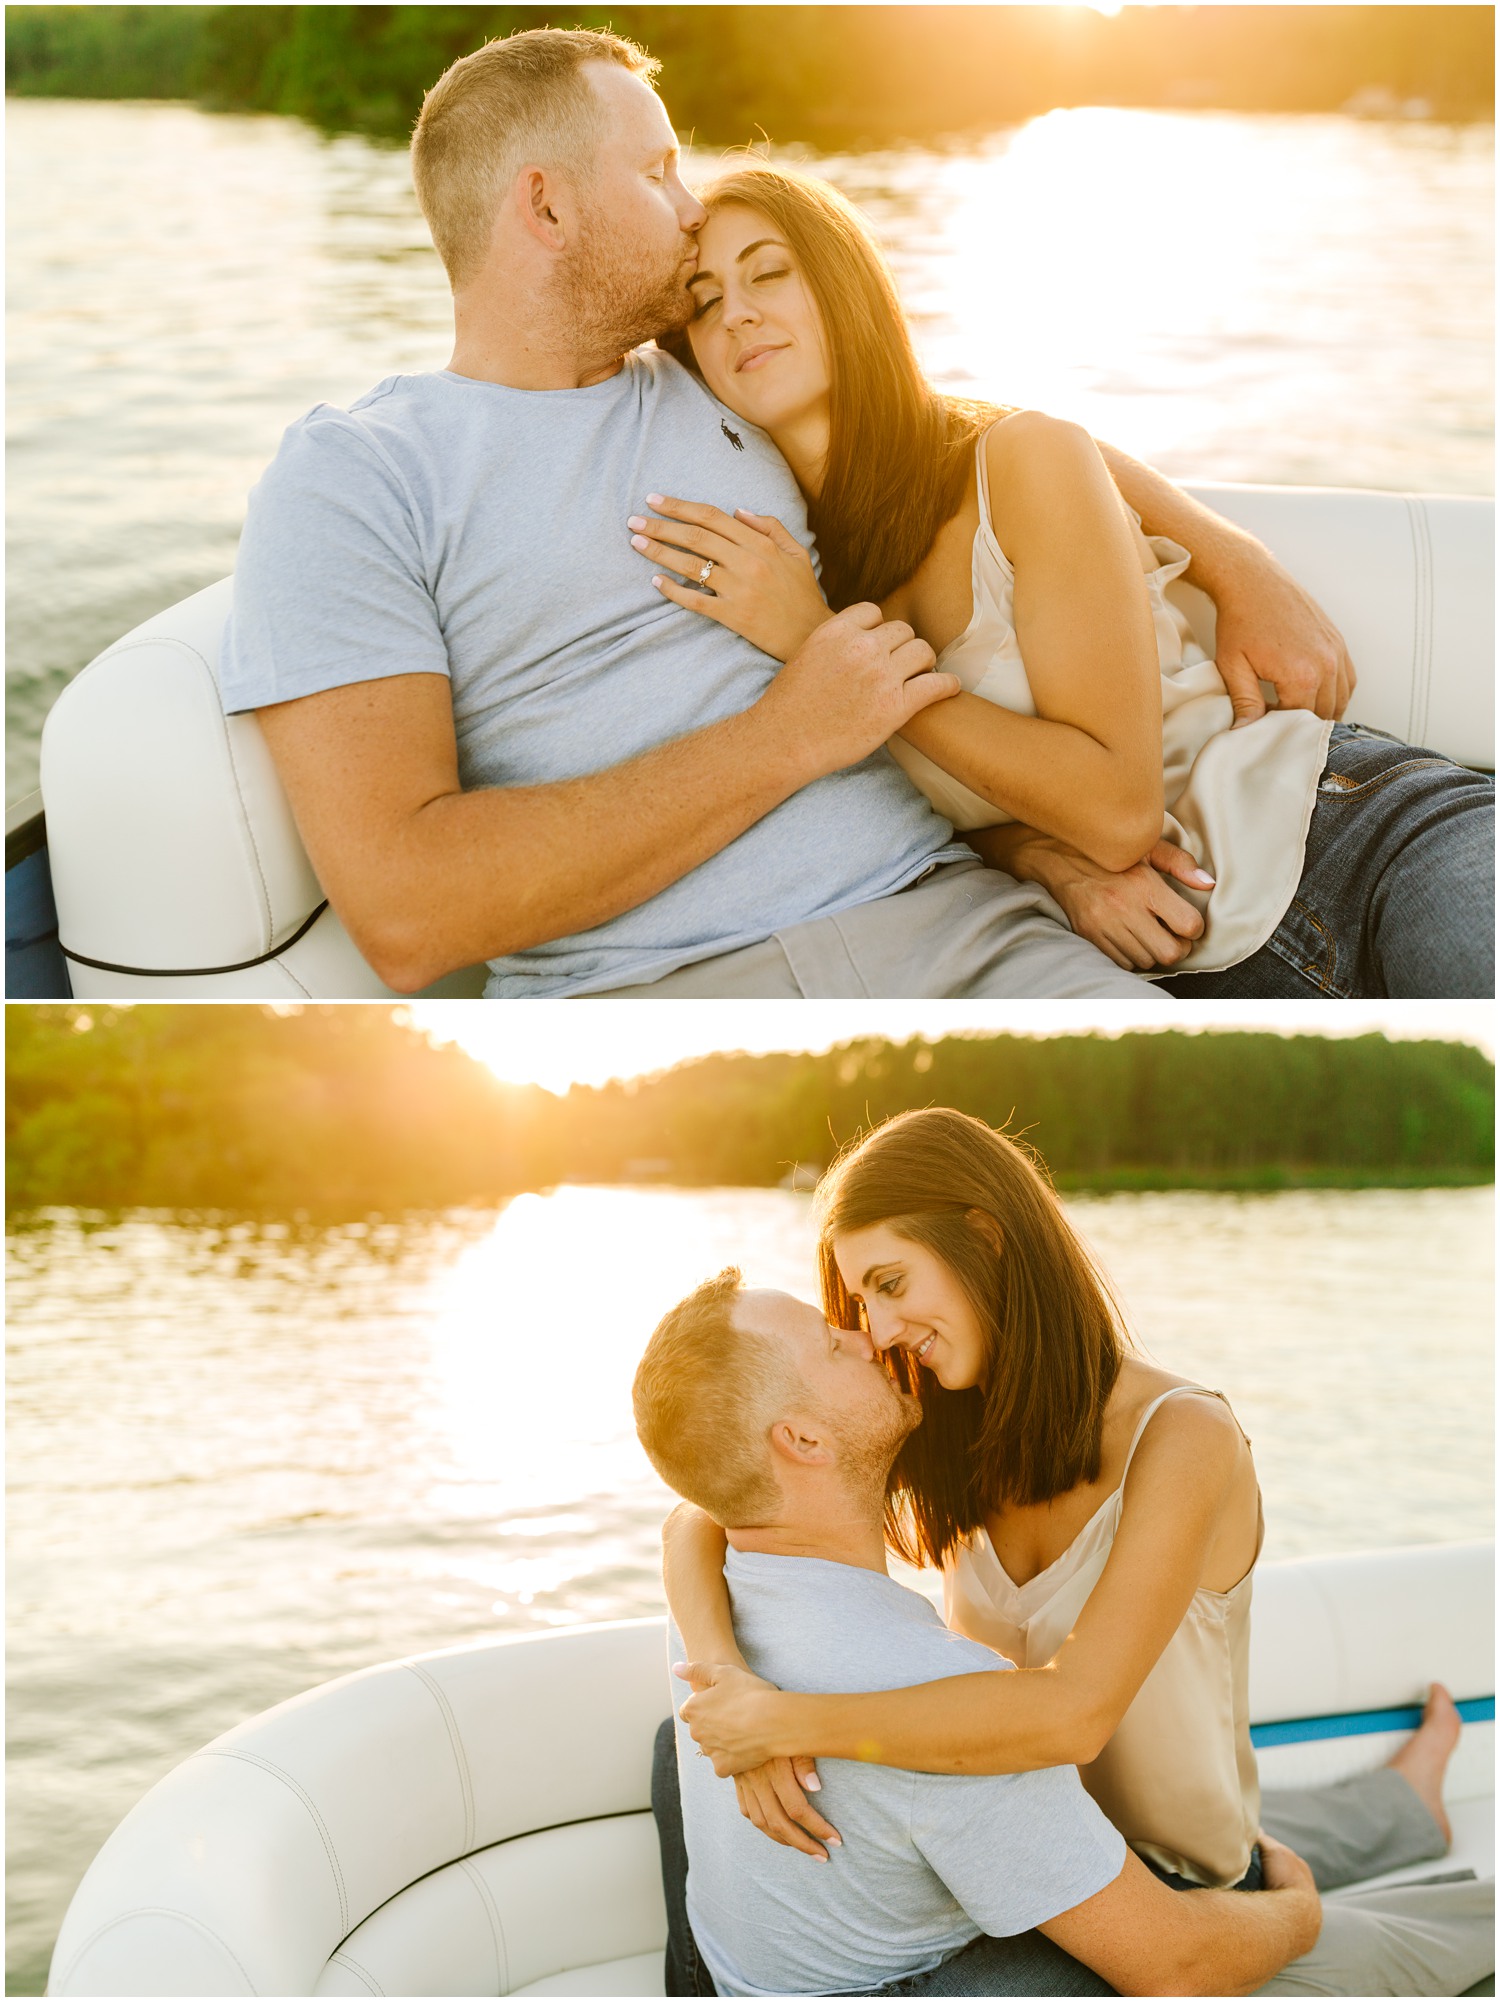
(1053, 1334)
(898, 452)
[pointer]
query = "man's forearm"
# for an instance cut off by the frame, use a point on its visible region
(1217, 546)
(1235, 1940)
(482, 873)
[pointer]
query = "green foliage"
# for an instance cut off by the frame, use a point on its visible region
(820, 74)
(339, 1111)
(331, 1110)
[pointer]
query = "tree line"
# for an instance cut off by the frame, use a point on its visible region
(344, 1111)
(826, 76)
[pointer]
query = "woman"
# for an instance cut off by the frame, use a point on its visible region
(1093, 731)
(1097, 1520)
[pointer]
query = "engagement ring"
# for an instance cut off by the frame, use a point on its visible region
(706, 572)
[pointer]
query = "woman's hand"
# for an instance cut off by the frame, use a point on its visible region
(774, 1797)
(762, 584)
(1134, 916)
(731, 1714)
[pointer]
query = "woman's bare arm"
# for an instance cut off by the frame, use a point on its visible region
(1088, 766)
(1180, 1484)
(773, 1793)
(692, 1569)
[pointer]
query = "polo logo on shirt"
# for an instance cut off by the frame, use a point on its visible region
(733, 436)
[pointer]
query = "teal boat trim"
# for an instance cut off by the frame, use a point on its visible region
(1360, 1723)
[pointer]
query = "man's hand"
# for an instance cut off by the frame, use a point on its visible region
(1135, 917)
(853, 683)
(1269, 629)
(1282, 1869)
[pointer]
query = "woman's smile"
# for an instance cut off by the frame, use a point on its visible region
(754, 357)
(909, 1299)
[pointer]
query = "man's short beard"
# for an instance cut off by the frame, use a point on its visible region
(614, 305)
(868, 1455)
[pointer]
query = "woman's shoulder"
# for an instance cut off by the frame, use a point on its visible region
(1189, 1417)
(1025, 439)
(1036, 467)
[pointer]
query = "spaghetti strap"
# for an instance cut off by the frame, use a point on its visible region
(982, 471)
(1177, 1390)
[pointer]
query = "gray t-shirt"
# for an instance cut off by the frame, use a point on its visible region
(449, 526)
(929, 1861)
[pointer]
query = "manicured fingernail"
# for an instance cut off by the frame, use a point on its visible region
(637, 541)
(820, 1856)
(658, 582)
(837, 1841)
(636, 521)
(813, 1784)
(656, 500)
(1201, 880)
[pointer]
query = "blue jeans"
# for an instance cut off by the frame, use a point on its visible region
(1397, 895)
(1029, 1964)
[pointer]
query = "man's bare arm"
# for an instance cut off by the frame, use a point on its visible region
(428, 877)
(1146, 1939)
(1269, 629)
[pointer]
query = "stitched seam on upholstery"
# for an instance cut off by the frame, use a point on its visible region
(158, 1912)
(254, 1759)
(497, 1930)
(1421, 663)
(465, 1779)
(521, 1835)
(195, 653)
(260, 867)
(342, 1959)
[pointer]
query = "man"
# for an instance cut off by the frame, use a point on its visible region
(784, 1429)
(499, 742)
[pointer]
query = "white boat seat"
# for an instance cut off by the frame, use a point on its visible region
(178, 870)
(476, 1822)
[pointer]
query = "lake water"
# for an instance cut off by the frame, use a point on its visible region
(244, 1458)
(1243, 297)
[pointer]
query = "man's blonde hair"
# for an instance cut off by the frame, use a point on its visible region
(519, 99)
(706, 1396)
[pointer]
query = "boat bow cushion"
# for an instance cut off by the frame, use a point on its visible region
(178, 868)
(476, 1822)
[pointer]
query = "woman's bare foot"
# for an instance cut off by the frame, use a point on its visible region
(1423, 1759)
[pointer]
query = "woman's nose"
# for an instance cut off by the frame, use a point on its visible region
(880, 1325)
(739, 310)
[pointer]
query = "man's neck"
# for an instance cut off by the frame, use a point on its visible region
(521, 346)
(838, 1536)
(516, 366)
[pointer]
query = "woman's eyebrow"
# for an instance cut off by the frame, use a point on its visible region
(760, 243)
(881, 1267)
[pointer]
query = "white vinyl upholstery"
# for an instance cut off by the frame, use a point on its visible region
(1409, 581)
(477, 1822)
(256, 1862)
(172, 846)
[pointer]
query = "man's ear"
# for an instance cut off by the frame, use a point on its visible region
(987, 1227)
(795, 1440)
(543, 205)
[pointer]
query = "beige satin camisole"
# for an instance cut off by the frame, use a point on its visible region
(1238, 800)
(1178, 1777)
